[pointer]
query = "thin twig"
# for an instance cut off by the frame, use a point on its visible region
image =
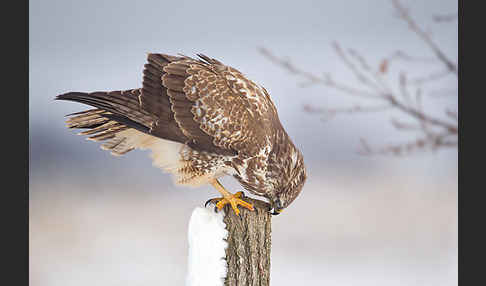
(377, 75)
(445, 18)
(430, 77)
(326, 79)
(421, 116)
(357, 73)
(332, 112)
(424, 36)
(451, 114)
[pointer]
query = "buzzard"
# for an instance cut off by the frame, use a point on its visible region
(202, 120)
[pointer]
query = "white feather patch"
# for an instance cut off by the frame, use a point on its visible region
(206, 237)
(166, 155)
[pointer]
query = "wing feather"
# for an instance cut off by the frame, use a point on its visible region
(237, 113)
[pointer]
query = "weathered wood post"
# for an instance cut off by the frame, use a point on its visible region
(249, 243)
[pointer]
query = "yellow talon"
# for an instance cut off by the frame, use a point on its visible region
(229, 198)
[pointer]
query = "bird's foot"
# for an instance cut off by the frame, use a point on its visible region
(232, 199)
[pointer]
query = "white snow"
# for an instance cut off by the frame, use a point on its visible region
(207, 231)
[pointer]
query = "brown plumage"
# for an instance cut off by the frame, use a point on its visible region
(202, 120)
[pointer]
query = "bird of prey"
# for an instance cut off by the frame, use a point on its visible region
(202, 120)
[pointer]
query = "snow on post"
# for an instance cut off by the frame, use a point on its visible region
(225, 249)
(207, 244)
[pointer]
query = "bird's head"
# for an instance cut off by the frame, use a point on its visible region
(292, 183)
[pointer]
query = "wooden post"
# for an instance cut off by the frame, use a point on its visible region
(249, 243)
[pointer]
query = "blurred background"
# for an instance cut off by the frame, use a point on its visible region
(96, 219)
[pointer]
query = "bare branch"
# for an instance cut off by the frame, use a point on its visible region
(403, 87)
(418, 99)
(430, 77)
(366, 147)
(445, 18)
(435, 132)
(357, 73)
(420, 115)
(403, 13)
(451, 114)
(439, 141)
(326, 79)
(401, 55)
(405, 126)
(331, 112)
(377, 75)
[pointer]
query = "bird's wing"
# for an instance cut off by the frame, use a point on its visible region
(163, 97)
(216, 105)
(198, 102)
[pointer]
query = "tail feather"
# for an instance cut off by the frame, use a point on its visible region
(86, 119)
(115, 112)
(119, 106)
(101, 128)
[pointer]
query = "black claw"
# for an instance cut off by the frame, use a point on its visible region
(207, 202)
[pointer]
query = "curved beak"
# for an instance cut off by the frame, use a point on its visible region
(277, 212)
